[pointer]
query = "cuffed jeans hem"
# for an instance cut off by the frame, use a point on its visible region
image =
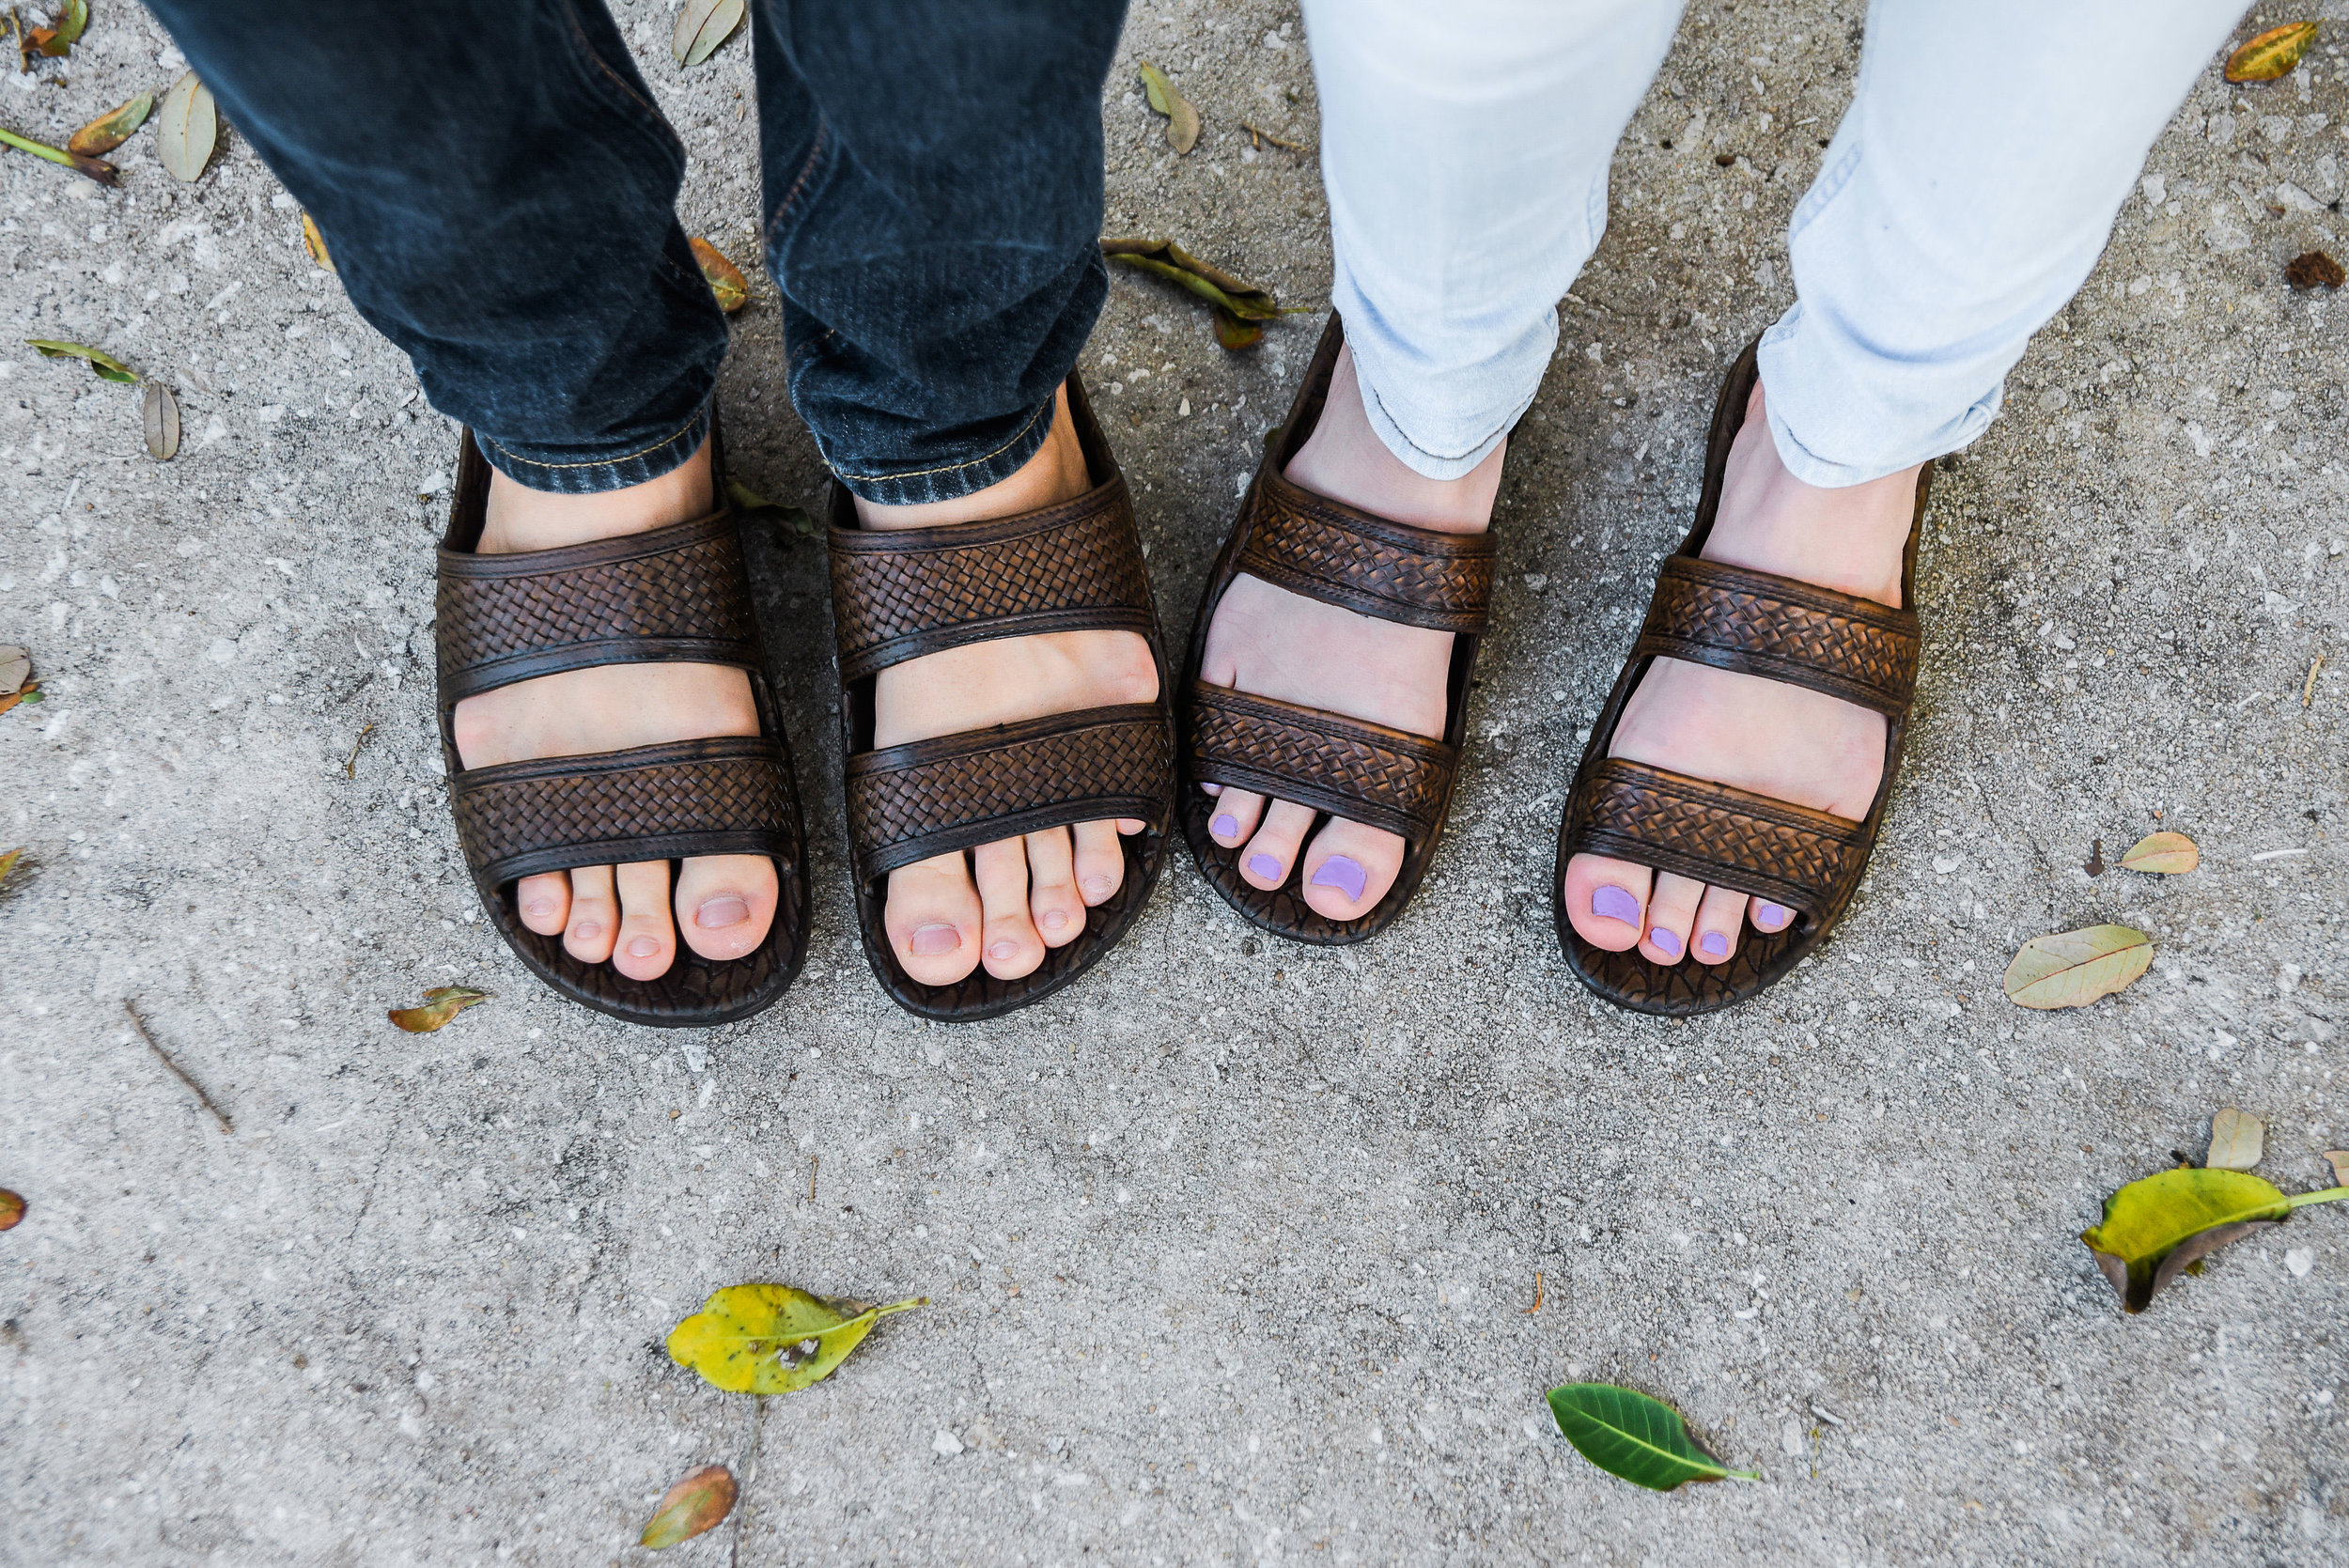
(1487, 402)
(1811, 388)
(885, 484)
(574, 471)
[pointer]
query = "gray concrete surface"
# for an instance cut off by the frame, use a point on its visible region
(1230, 1247)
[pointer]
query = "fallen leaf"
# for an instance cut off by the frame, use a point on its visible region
(8, 862)
(109, 130)
(106, 364)
(702, 27)
(2170, 854)
(28, 693)
(441, 1003)
(751, 503)
(725, 279)
(186, 126)
(699, 1500)
(11, 1209)
(80, 162)
(2337, 1157)
(161, 416)
(15, 666)
(314, 242)
(1182, 116)
(768, 1338)
(1235, 333)
(2073, 968)
(2314, 270)
(2272, 53)
(2162, 1225)
(1633, 1437)
(57, 40)
(2237, 1139)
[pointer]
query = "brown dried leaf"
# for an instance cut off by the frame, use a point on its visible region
(699, 1501)
(314, 242)
(441, 1004)
(2237, 1139)
(1182, 116)
(2314, 270)
(2170, 854)
(11, 1209)
(2272, 53)
(161, 417)
(2340, 1159)
(187, 127)
(109, 130)
(725, 279)
(15, 666)
(2072, 969)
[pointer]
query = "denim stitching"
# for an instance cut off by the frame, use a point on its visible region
(957, 467)
(806, 170)
(668, 132)
(602, 462)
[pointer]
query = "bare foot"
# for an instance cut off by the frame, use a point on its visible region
(1275, 644)
(1787, 742)
(1004, 904)
(724, 903)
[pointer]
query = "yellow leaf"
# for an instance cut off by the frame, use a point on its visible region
(1182, 116)
(8, 861)
(441, 1003)
(2171, 854)
(11, 1209)
(2156, 1228)
(112, 129)
(2236, 1140)
(314, 242)
(725, 279)
(2073, 968)
(2272, 53)
(769, 1339)
(699, 1500)
(186, 128)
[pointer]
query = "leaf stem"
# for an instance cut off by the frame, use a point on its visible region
(1743, 1475)
(80, 164)
(2324, 1195)
(911, 1302)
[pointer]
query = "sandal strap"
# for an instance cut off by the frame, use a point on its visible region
(679, 593)
(901, 594)
(732, 795)
(1342, 555)
(1765, 624)
(909, 803)
(1364, 772)
(1714, 834)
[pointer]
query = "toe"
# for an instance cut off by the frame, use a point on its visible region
(1606, 900)
(1768, 917)
(1054, 902)
(1672, 914)
(648, 939)
(595, 917)
(1720, 915)
(1267, 859)
(545, 901)
(1235, 814)
(1009, 946)
(725, 903)
(933, 919)
(1101, 868)
(1349, 867)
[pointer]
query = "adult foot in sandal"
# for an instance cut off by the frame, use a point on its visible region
(1774, 738)
(723, 904)
(1004, 904)
(1273, 643)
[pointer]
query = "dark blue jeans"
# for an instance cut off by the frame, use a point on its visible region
(498, 193)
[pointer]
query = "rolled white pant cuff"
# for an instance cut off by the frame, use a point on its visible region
(1842, 415)
(1401, 394)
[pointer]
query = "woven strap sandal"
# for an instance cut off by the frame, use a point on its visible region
(1368, 773)
(902, 594)
(679, 593)
(1808, 860)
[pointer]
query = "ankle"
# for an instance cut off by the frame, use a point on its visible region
(1057, 473)
(520, 518)
(1344, 459)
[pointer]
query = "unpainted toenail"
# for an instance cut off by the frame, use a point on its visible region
(1224, 825)
(1667, 942)
(1055, 918)
(539, 908)
(1098, 888)
(1713, 945)
(1263, 865)
(1614, 903)
(643, 947)
(586, 930)
(724, 909)
(928, 941)
(1003, 953)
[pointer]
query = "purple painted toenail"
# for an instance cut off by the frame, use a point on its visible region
(930, 940)
(724, 909)
(1264, 866)
(1224, 825)
(1666, 942)
(643, 947)
(1770, 916)
(1343, 874)
(1713, 945)
(1613, 903)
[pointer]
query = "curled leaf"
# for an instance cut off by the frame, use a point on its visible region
(1633, 1437)
(57, 40)
(702, 25)
(314, 242)
(699, 1501)
(1182, 116)
(106, 364)
(2171, 854)
(187, 126)
(2073, 968)
(733, 290)
(441, 1003)
(2237, 1139)
(769, 1339)
(2162, 1225)
(15, 666)
(2272, 53)
(161, 417)
(1235, 333)
(112, 129)
(11, 1209)
(2312, 270)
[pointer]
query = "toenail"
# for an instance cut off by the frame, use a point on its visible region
(586, 930)
(1264, 866)
(644, 947)
(724, 909)
(1713, 945)
(1003, 953)
(1667, 942)
(1771, 915)
(1343, 874)
(930, 940)
(539, 908)
(1224, 825)
(1098, 888)
(1612, 902)
(1055, 918)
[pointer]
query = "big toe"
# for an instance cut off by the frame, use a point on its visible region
(1349, 867)
(1606, 900)
(933, 919)
(725, 903)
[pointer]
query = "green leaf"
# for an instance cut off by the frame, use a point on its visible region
(106, 364)
(769, 1339)
(2073, 968)
(702, 25)
(1235, 333)
(1182, 116)
(187, 126)
(112, 129)
(699, 1501)
(2160, 1226)
(441, 1003)
(1633, 1437)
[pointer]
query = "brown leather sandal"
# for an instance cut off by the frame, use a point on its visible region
(681, 594)
(899, 595)
(1368, 773)
(1808, 861)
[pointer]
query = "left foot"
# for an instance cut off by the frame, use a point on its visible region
(1787, 742)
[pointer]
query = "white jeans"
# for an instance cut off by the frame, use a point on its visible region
(1987, 149)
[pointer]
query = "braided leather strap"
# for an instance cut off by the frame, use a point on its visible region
(1765, 624)
(1712, 833)
(729, 796)
(676, 593)
(1328, 551)
(907, 803)
(1368, 773)
(898, 595)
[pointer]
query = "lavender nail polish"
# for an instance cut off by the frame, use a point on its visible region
(1713, 945)
(1770, 916)
(1666, 942)
(1613, 903)
(1343, 874)
(1264, 866)
(1224, 825)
